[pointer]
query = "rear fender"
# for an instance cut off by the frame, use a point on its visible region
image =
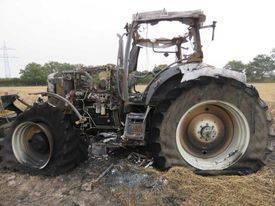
(194, 71)
(172, 77)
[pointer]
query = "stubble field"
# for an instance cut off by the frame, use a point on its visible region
(127, 184)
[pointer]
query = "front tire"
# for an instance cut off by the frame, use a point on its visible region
(44, 140)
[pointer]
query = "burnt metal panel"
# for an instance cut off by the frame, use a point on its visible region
(134, 126)
(190, 71)
(162, 15)
(196, 70)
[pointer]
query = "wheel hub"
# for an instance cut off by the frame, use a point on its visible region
(208, 133)
(212, 135)
(39, 143)
(206, 128)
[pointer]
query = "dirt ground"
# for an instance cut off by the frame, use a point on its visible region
(125, 183)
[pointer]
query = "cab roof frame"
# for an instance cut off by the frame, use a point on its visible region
(153, 17)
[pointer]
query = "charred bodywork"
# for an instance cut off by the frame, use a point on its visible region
(189, 114)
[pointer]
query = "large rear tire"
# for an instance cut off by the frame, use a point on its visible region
(43, 140)
(213, 127)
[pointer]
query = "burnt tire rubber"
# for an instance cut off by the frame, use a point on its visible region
(68, 148)
(169, 112)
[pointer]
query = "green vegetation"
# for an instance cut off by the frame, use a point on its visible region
(260, 69)
(35, 74)
(147, 76)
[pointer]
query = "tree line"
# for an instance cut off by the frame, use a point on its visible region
(260, 69)
(36, 74)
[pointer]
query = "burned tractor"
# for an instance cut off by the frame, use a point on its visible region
(189, 114)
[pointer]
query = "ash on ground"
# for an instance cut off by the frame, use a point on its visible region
(130, 180)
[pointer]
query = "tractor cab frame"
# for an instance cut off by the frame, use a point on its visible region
(128, 54)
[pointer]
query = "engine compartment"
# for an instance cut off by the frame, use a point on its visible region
(93, 91)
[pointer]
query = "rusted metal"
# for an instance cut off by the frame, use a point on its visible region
(135, 125)
(206, 128)
(163, 15)
(195, 137)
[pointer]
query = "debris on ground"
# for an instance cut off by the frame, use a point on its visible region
(119, 181)
(103, 173)
(140, 160)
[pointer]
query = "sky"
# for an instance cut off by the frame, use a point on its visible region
(84, 31)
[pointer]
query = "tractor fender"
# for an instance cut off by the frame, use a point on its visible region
(187, 72)
(194, 71)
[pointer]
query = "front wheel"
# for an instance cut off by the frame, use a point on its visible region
(216, 126)
(43, 140)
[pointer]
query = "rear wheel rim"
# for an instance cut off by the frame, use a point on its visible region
(212, 135)
(32, 144)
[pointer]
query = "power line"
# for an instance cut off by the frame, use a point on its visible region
(6, 59)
